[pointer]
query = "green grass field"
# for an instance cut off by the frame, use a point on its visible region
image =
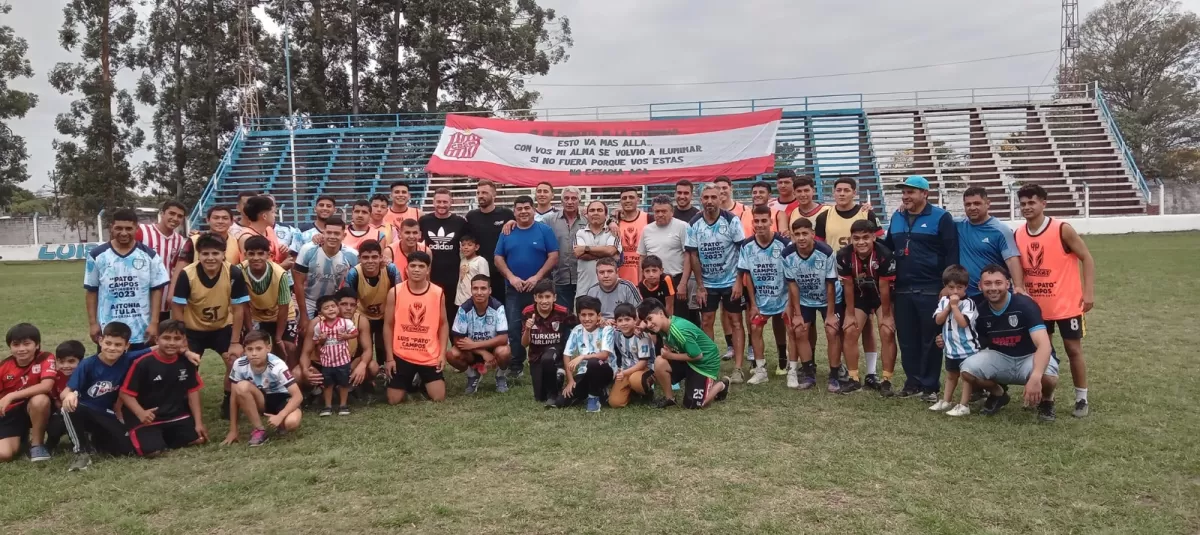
(768, 460)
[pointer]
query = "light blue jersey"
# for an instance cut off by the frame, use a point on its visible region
(960, 342)
(122, 285)
(585, 342)
(303, 237)
(717, 245)
(468, 323)
(287, 236)
(325, 273)
(810, 274)
(766, 268)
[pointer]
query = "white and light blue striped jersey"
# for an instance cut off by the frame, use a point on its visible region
(123, 284)
(960, 342)
(631, 349)
(325, 273)
(287, 236)
(585, 342)
(766, 269)
(717, 244)
(274, 379)
(303, 237)
(468, 323)
(810, 274)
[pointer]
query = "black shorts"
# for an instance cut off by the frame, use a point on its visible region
(164, 316)
(1072, 328)
(406, 371)
(377, 340)
(218, 340)
(15, 423)
(695, 386)
(810, 313)
(274, 403)
(954, 365)
(160, 435)
(723, 297)
(338, 376)
(289, 330)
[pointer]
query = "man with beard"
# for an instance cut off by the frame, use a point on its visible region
(712, 245)
(314, 232)
(985, 240)
(441, 230)
(124, 281)
(485, 224)
(684, 211)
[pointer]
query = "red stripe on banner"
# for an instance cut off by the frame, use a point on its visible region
(697, 125)
(530, 177)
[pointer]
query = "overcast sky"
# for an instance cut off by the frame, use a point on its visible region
(687, 41)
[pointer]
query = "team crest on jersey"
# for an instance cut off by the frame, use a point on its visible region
(630, 239)
(554, 325)
(416, 313)
(101, 388)
(183, 375)
(1012, 321)
(139, 263)
(36, 369)
(9, 377)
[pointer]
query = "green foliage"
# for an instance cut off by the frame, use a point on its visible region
(13, 105)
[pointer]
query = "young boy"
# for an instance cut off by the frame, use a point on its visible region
(66, 359)
(26, 380)
(161, 396)
(813, 285)
(480, 337)
(330, 333)
(471, 266)
(761, 266)
(956, 314)
(547, 326)
(634, 351)
(869, 269)
(263, 386)
(656, 284)
(587, 355)
(269, 288)
(688, 355)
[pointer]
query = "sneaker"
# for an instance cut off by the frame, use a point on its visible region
(728, 354)
(977, 395)
(39, 453)
(843, 373)
(885, 389)
(472, 381)
(850, 386)
(81, 462)
(871, 382)
(941, 405)
(1045, 410)
(807, 382)
(930, 397)
(737, 378)
(994, 404)
(907, 392)
(1081, 409)
(343, 411)
(258, 437)
(549, 403)
(793, 381)
(759, 376)
(959, 410)
(501, 384)
(516, 375)
(724, 393)
(327, 411)
(593, 404)
(834, 386)
(663, 403)
(783, 368)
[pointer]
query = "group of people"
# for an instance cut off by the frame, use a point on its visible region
(605, 307)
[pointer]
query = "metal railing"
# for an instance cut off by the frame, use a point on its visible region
(205, 199)
(1106, 113)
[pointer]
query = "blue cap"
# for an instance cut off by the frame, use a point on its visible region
(915, 181)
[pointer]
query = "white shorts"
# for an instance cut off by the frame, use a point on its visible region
(996, 366)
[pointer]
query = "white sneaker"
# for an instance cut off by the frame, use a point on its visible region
(759, 376)
(959, 410)
(728, 354)
(793, 381)
(736, 377)
(941, 405)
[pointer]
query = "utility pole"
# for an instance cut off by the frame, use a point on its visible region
(247, 64)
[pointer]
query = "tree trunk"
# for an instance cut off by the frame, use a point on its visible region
(177, 115)
(106, 80)
(395, 88)
(210, 85)
(317, 67)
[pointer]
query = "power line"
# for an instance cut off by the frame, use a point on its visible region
(793, 78)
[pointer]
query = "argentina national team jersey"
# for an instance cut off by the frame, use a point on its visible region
(960, 342)
(274, 379)
(325, 273)
(468, 323)
(811, 274)
(123, 284)
(287, 236)
(717, 246)
(766, 268)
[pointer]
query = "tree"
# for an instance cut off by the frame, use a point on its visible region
(100, 130)
(1145, 54)
(24, 202)
(13, 105)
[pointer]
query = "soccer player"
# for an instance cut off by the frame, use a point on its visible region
(360, 229)
(379, 210)
(813, 288)
(480, 337)
(263, 386)
(66, 360)
(956, 314)
(586, 357)
(631, 221)
(124, 281)
(259, 220)
(408, 241)
(543, 199)
(1052, 255)
(712, 245)
(760, 195)
(684, 211)
(728, 203)
(725, 186)
(160, 397)
(633, 353)
(416, 333)
(612, 290)
(321, 269)
(443, 231)
(314, 232)
(688, 355)
(547, 326)
(593, 242)
(984, 240)
(760, 262)
(1016, 348)
(26, 379)
(400, 210)
(163, 237)
(363, 367)
(220, 220)
(786, 202)
(807, 206)
(657, 284)
(371, 280)
(269, 287)
(869, 268)
(210, 298)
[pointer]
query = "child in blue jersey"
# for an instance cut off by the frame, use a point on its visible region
(587, 355)
(760, 261)
(956, 314)
(814, 288)
(262, 386)
(480, 337)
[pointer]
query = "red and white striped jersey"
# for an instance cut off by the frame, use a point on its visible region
(335, 351)
(167, 247)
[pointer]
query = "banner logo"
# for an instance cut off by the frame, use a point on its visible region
(462, 145)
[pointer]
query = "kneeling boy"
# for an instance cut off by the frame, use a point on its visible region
(547, 327)
(587, 356)
(262, 386)
(480, 337)
(26, 380)
(634, 353)
(687, 355)
(161, 396)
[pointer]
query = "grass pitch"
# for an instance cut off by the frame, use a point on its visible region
(768, 460)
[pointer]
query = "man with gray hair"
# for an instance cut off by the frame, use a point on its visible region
(566, 224)
(664, 238)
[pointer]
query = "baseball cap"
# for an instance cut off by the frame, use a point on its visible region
(915, 181)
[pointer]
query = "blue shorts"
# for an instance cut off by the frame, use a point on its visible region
(810, 313)
(996, 366)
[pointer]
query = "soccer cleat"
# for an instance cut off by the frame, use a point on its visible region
(327, 411)
(793, 381)
(724, 393)
(871, 382)
(80, 463)
(728, 353)
(994, 404)
(258, 437)
(516, 374)
(959, 410)
(663, 403)
(501, 384)
(1045, 411)
(941, 405)
(1081, 409)
(885, 389)
(930, 397)
(759, 376)
(737, 377)
(593, 404)
(39, 453)
(472, 382)
(834, 386)
(850, 386)
(807, 382)
(343, 411)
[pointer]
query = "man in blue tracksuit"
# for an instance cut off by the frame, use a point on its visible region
(924, 240)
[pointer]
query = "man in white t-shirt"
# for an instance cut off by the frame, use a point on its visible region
(591, 244)
(664, 238)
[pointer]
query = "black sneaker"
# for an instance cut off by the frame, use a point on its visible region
(871, 382)
(1045, 410)
(549, 403)
(907, 392)
(664, 403)
(977, 395)
(885, 389)
(724, 393)
(930, 397)
(850, 386)
(1081, 409)
(994, 404)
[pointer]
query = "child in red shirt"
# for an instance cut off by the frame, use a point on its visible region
(26, 380)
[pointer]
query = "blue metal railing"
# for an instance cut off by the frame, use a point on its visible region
(1105, 112)
(206, 196)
